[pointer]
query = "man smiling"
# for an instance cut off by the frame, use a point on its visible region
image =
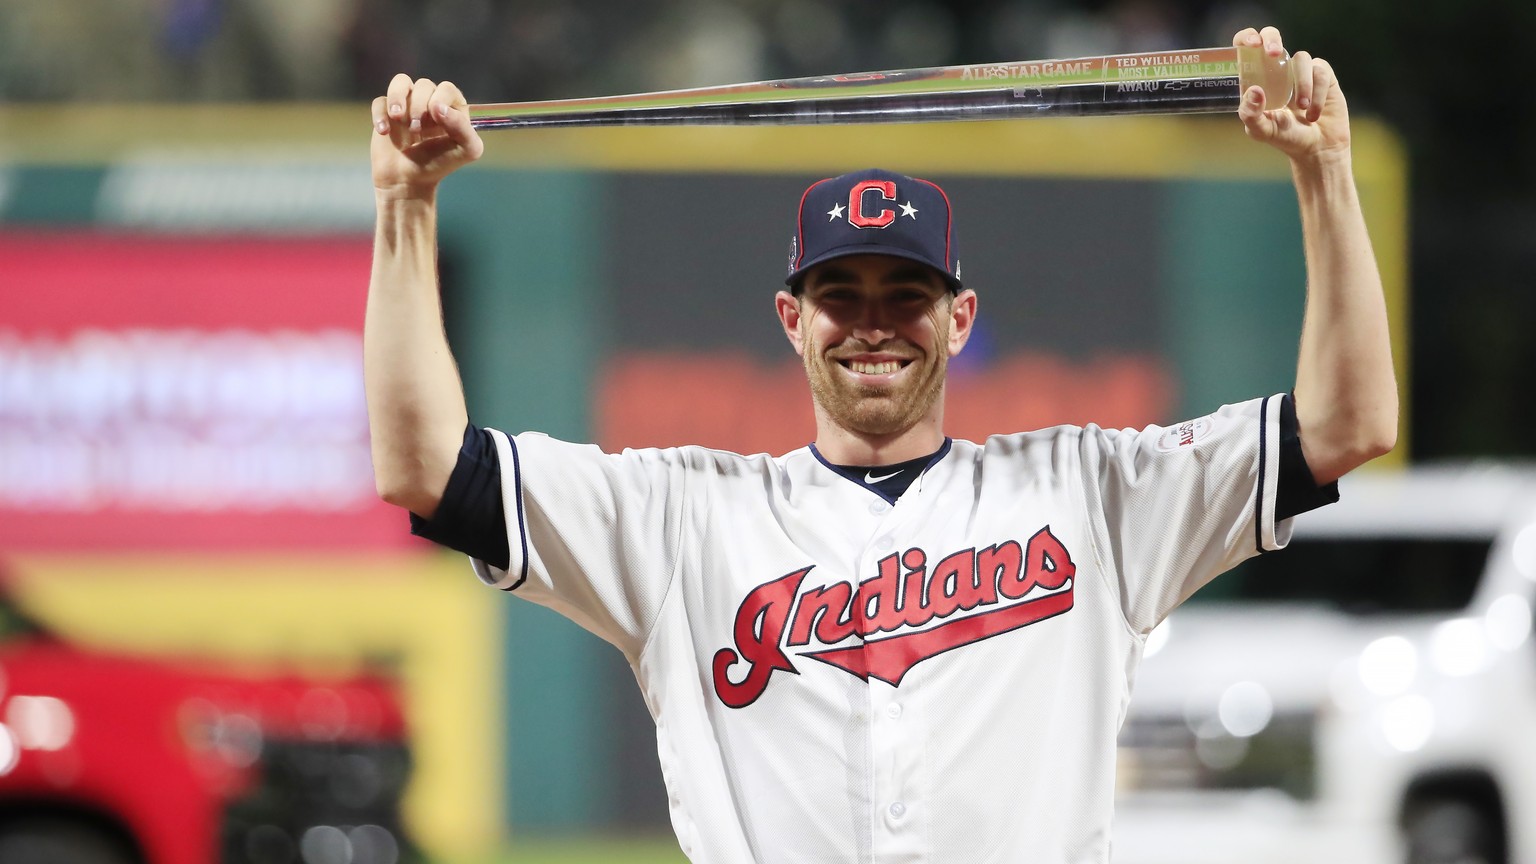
(888, 645)
(876, 309)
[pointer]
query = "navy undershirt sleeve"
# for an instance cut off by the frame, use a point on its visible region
(1297, 492)
(471, 517)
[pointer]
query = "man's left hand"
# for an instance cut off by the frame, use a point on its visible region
(1315, 125)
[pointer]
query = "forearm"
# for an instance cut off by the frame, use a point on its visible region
(1346, 392)
(416, 411)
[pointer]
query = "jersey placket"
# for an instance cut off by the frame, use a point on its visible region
(895, 759)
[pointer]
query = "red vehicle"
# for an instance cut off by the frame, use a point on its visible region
(110, 759)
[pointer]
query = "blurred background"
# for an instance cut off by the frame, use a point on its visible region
(185, 224)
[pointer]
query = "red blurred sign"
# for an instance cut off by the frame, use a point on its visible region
(185, 393)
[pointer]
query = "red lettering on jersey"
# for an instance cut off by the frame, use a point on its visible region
(829, 610)
(958, 585)
(856, 215)
(914, 599)
(890, 601)
(1021, 585)
(1003, 565)
(759, 626)
(1050, 564)
(892, 658)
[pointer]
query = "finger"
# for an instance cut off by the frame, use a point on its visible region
(450, 109)
(1273, 44)
(1323, 82)
(1247, 36)
(1256, 122)
(380, 121)
(421, 94)
(399, 89)
(1301, 73)
(447, 95)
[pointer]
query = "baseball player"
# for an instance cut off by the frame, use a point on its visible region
(888, 645)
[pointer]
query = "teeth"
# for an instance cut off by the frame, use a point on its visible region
(863, 368)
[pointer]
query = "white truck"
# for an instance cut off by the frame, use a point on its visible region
(1367, 695)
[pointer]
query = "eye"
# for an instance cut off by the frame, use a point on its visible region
(915, 298)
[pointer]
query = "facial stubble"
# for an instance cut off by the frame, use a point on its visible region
(881, 411)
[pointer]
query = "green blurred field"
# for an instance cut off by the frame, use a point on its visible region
(626, 851)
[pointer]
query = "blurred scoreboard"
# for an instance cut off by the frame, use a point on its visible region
(184, 392)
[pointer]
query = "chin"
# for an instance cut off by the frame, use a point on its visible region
(879, 419)
(882, 411)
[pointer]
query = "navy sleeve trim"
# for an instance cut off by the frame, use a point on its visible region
(522, 524)
(1297, 492)
(1258, 503)
(471, 517)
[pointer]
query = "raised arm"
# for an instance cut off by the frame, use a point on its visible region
(416, 412)
(1346, 393)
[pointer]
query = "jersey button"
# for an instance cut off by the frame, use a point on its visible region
(878, 507)
(885, 544)
(897, 810)
(893, 710)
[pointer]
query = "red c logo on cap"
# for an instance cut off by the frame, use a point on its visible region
(856, 216)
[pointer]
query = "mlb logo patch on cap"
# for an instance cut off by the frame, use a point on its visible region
(874, 212)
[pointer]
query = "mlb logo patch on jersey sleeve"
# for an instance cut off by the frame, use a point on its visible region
(1184, 435)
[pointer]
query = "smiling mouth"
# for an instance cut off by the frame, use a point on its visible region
(883, 367)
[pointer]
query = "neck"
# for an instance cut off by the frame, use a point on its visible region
(842, 446)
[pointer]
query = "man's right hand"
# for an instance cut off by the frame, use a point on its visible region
(421, 135)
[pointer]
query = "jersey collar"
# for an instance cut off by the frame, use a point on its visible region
(889, 482)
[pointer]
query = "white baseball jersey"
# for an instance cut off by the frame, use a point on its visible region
(838, 679)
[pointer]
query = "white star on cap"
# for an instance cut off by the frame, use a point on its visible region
(908, 210)
(835, 213)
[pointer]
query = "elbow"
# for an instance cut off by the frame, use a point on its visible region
(390, 490)
(412, 472)
(406, 492)
(1339, 435)
(1345, 457)
(1382, 443)
(1331, 451)
(1377, 436)
(1364, 451)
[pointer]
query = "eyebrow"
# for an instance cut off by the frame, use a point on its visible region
(828, 273)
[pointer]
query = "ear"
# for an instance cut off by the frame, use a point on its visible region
(962, 315)
(788, 307)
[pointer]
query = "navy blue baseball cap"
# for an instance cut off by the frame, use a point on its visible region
(874, 212)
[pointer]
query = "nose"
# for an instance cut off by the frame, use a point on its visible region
(873, 324)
